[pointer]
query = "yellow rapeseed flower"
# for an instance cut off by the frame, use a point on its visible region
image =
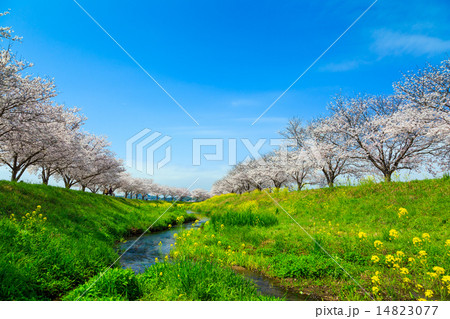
(445, 279)
(156, 259)
(404, 271)
(377, 244)
(375, 279)
(432, 274)
(417, 241)
(421, 299)
(411, 260)
(402, 212)
(447, 242)
(389, 259)
(426, 237)
(406, 280)
(422, 253)
(439, 270)
(160, 273)
(362, 235)
(393, 234)
(375, 290)
(429, 293)
(375, 258)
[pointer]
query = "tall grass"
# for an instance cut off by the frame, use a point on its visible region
(53, 239)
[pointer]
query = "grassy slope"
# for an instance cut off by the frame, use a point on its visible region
(43, 259)
(345, 221)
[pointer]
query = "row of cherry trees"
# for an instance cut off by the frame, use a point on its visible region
(362, 135)
(46, 138)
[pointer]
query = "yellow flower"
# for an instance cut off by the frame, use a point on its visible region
(219, 242)
(411, 260)
(393, 234)
(419, 286)
(389, 259)
(375, 279)
(406, 280)
(401, 212)
(445, 279)
(400, 254)
(375, 290)
(417, 241)
(432, 274)
(243, 245)
(362, 235)
(426, 236)
(375, 258)
(160, 273)
(166, 258)
(429, 293)
(38, 207)
(45, 218)
(447, 242)
(156, 259)
(396, 265)
(377, 244)
(404, 271)
(222, 226)
(170, 226)
(439, 270)
(421, 299)
(422, 253)
(212, 236)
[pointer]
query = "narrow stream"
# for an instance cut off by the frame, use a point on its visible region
(142, 255)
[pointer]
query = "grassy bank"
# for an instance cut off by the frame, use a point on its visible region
(53, 240)
(393, 239)
(181, 280)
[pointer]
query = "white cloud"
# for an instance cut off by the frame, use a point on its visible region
(342, 66)
(388, 42)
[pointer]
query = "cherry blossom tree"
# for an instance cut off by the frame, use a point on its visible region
(384, 132)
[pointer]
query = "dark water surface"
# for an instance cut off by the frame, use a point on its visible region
(142, 255)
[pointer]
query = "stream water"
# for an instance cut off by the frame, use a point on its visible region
(156, 245)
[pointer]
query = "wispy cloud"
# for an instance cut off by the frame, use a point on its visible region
(265, 120)
(245, 102)
(389, 42)
(342, 66)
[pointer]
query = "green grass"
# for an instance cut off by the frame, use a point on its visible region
(46, 252)
(346, 222)
(181, 280)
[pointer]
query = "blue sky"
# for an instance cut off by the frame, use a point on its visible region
(224, 61)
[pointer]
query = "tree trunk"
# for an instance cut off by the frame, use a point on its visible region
(387, 177)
